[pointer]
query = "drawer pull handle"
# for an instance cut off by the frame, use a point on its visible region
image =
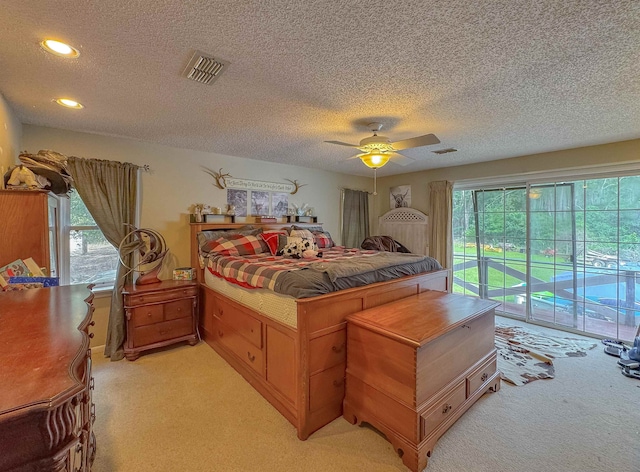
(251, 358)
(93, 323)
(338, 383)
(179, 309)
(220, 334)
(446, 409)
(91, 335)
(466, 326)
(221, 312)
(484, 377)
(338, 349)
(149, 314)
(91, 384)
(79, 448)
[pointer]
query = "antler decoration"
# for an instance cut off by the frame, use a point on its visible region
(297, 184)
(221, 183)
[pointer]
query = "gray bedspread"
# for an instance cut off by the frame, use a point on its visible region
(320, 278)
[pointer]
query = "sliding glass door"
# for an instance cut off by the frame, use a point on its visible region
(565, 254)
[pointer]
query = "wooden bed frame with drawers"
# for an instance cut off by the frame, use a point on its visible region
(300, 371)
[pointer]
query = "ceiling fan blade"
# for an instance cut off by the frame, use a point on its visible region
(418, 141)
(342, 144)
(401, 160)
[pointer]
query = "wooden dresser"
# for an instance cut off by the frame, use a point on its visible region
(159, 315)
(46, 409)
(414, 366)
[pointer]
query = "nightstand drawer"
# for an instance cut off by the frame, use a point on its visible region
(146, 315)
(442, 409)
(158, 332)
(161, 296)
(178, 309)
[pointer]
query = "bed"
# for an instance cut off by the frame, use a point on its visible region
(291, 350)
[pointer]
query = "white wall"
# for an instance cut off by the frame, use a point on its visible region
(176, 181)
(10, 136)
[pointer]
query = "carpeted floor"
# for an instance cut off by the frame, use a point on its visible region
(185, 409)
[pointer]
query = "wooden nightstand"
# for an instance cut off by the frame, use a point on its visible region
(160, 314)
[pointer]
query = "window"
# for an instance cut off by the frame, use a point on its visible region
(86, 256)
(560, 252)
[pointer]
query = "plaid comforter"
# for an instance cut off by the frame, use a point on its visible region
(263, 270)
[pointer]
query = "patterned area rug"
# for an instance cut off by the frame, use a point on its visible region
(525, 356)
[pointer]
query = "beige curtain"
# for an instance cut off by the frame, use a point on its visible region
(109, 189)
(355, 217)
(440, 214)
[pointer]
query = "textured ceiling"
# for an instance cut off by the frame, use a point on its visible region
(493, 79)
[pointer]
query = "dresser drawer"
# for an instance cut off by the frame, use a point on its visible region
(145, 315)
(178, 309)
(478, 377)
(326, 387)
(164, 331)
(238, 345)
(142, 298)
(242, 322)
(327, 351)
(442, 409)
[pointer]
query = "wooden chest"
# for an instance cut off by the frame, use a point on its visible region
(160, 314)
(414, 366)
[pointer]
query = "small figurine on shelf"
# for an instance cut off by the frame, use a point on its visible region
(197, 209)
(231, 209)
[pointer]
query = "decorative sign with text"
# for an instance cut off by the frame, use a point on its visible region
(259, 185)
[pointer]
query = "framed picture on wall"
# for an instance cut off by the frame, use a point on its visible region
(238, 198)
(259, 203)
(400, 196)
(279, 203)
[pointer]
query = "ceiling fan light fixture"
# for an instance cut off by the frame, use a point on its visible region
(374, 160)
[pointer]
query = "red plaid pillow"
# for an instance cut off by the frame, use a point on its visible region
(271, 240)
(323, 239)
(237, 245)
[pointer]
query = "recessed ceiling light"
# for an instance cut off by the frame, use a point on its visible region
(67, 102)
(59, 49)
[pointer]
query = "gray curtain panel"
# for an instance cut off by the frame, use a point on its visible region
(440, 213)
(355, 217)
(109, 189)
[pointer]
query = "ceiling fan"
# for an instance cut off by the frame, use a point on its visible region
(378, 150)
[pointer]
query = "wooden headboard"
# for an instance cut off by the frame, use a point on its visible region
(408, 226)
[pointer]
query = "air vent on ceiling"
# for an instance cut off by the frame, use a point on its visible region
(444, 151)
(204, 69)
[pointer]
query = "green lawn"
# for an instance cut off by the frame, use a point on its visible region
(541, 267)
